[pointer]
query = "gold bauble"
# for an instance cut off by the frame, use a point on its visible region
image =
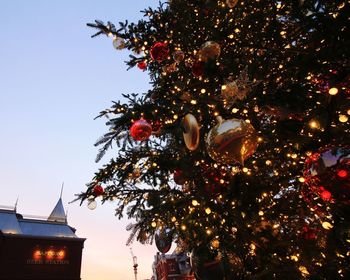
(191, 132)
(231, 3)
(231, 141)
(209, 50)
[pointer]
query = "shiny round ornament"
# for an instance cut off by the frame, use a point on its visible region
(118, 43)
(231, 3)
(178, 56)
(179, 177)
(142, 65)
(98, 190)
(141, 130)
(231, 141)
(163, 239)
(198, 68)
(327, 173)
(92, 204)
(159, 51)
(190, 132)
(209, 50)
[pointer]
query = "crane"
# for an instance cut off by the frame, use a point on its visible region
(134, 259)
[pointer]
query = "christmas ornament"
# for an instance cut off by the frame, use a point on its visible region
(142, 65)
(178, 56)
(209, 50)
(190, 132)
(327, 173)
(231, 141)
(198, 68)
(98, 190)
(163, 238)
(170, 68)
(92, 204)
(231, 3)
(179, 177)
(140, 130)
(118, 43)
(237, 89)
(229, 93)
(159, 51)
(206, 264)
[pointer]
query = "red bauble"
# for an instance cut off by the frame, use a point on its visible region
(179, 177)
(198, 68)
(140, 130)
(327, 174)
(142, 65)
(159, 51)
(98, 190)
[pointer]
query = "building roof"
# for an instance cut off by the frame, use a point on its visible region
(45, 228)
(9, 222)
(55, 226)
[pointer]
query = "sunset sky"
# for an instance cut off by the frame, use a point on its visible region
(54, 79)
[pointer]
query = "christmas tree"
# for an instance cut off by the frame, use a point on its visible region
(240, 152)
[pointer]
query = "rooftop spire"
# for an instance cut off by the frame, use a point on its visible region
(58, 214)
(62, 190)
(16, 203)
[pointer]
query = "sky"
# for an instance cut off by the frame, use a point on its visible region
(54, 79)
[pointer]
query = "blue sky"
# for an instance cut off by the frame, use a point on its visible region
(54, 79)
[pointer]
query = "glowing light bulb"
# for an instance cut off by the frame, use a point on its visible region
(333, 91)
(343, 118)
(327, 225)
(314, 124)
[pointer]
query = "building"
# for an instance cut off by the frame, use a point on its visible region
(40, 249)
(175, 266)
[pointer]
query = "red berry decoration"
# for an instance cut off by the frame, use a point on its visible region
(98, 190)
(142, 65)
(141, 130)
(159, 51)
(198, 68)
(327, 174)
